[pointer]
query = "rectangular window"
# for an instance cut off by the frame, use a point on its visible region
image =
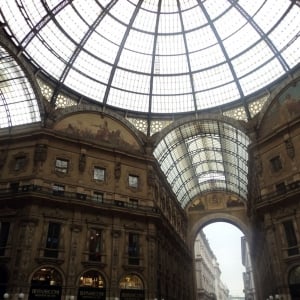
(133, 249)
(133, 181)
(52, 241)
(95, 245)
(61, 165)
(99, 174)
(58, 190)
(281, 188)
(81, 196)
(98, 197)
(20, 163)
(133, 203)
(291, 238)
(4, 231)
(14, 186)
(276, 164)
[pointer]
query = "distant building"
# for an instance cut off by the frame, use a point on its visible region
(249, 289)
(208, 273)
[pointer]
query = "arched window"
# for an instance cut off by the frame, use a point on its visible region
(91, 286)
(46, 282)
(294, 282)
(131, 287)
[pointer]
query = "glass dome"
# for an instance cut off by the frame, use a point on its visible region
(158, 56)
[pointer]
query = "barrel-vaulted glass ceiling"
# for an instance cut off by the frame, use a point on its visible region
(158, 56)
(18, 103)
(202, 156)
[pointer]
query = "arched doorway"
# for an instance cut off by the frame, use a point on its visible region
(131, 287)
(3, 280)
(294, 283)
(91, 286)
(46, 283)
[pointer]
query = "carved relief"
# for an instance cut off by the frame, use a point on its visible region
(3, 158)
(258, 165)
(40, 153)
(82, 162)
(290, 149)
(118, 170)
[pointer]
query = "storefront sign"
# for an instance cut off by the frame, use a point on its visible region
(45, 293)
(85, 293)
(132, 294)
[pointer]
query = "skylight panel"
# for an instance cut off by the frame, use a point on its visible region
(216, 8)
(140, 42)
(172, 103)
(291, 54)
(144, 20)
(111, 30)
(58, 42)
(213, 77)
(72, 23)
(193, 18)
(170, 45)
(15, 19)
(122, 11)
(137, 62)
(241, 40)
(261, 77)
(270, 13)
(207, 58)
(251, 7)
(172, 65)
(35, 10)
(131, 81)
(128, 100)
(101, 47)
(201, 39)
(89, 10)
(45, 58)
(86, 86)
(171, 85)
(250, 60)
(169, 6)
(217, 96)
(169, 23)
(234, 21)
(92, 66)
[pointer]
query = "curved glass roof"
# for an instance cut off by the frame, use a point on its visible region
(202, 156)
(158, 56)
(18, 104)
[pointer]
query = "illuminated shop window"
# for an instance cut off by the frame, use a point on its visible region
(131, 281)
(92, 279)
(46, 276)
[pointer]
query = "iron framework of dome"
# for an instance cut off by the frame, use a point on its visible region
(158, 56)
